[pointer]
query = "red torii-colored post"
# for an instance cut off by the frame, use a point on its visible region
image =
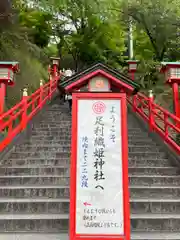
(132, 68)
(7, 73)
(172, 76)
(55, 62)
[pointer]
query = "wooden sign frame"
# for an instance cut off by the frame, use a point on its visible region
(99, 96)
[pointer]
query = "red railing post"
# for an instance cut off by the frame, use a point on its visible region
(134, 102)
(50, 87)
(175, 88)
(166, 125)
(151, 114)
(41, 94)
(24, 114)
(2, 97)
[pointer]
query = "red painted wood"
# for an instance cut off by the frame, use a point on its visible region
(159, 119)
(175, 88)
(34, 103)
(111, 78)
(2, 97)
(141, 105)
(76, 97)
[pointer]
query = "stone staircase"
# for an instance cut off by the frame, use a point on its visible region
(34, 184)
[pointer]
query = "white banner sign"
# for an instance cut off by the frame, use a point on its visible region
(99, 182)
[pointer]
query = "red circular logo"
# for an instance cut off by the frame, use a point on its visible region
(99, 107)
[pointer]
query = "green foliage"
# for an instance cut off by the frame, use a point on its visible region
(51, 50)
(82, 32)
(13, 48)
(37, 23)
(159, 21)
(94, 35)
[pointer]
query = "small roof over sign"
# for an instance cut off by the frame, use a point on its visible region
(114, 76)
(170, 63)
(54, 58)
(13, 65)
(9, 63)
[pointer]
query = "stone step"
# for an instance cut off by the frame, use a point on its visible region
(33, 216)
(34, 200)
(43, 123)
(34, 236)
(63, 137)
(154, 170)
(151, 235)
(154, 180)
(145, 223)
(149, 162)
(140, 134)
(56, 117)
(61, 127)
(65, 146)
(35, 207)
(51, 135)
(39, 206)
(64, 162)
(145, 147)
(23, 171)
(147, 155)
(56, 112)
(24, 191)
(137, 180)
(133, 142)
(171, 192)
(43, 154)
(53, 126)
(52, 131)
(155, 222)
(36, 180)
(55, 142)
(38, 148)
(36, 161)
(138, 129)
(160, 206)
(141, 141)
(47, 223)
(67, 140)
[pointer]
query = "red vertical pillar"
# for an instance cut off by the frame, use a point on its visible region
(54, 69)
(132, 75)
(2, 97)
(151, 114)
(175, 89)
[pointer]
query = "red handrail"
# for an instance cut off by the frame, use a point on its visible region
(15, 120)
(160, 120)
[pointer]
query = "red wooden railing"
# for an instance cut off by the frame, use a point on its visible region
(15, 120)
(160, 120)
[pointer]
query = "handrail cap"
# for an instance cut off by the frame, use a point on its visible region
(25, 92)
(41, 83)
(150, 93)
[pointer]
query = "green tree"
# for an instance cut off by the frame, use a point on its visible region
(158, 19)
(93, 35)
(37, 24)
